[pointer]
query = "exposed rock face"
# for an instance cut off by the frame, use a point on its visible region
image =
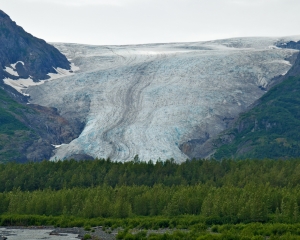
(156, 100)
(79, 157)
(31, 56)
(51, 129)
(295, 69)
(289, 44)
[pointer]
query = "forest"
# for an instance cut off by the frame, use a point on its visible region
(83, 174)
(199, 196)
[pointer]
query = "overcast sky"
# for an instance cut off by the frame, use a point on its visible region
(111, 22)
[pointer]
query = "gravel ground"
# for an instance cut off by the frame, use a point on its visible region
(49, 232)
(96, 233)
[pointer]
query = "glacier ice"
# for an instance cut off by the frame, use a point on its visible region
(149, 99)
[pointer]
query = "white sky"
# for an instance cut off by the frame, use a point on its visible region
(110, 22)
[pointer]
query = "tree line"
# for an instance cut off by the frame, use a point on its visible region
(84, 174)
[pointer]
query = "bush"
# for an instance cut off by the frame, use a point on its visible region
(87, 228)
(122, 234)
(200, 227)
(215, 228)
(87, 236)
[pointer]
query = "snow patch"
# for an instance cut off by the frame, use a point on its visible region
(22, 83)
(262, 81)
(63, 72)
(273, 47)
(11, 71)
(57, 146)
(281, 62)
(14, 65)
(74, 68)
(60, 73)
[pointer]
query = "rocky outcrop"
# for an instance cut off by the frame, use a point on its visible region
(289, 44)
(295, 60)
(51, 129)
(80, 157)
(32, 56)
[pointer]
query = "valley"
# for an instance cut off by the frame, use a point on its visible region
(170, 141)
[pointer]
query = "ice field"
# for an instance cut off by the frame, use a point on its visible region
(149, 99)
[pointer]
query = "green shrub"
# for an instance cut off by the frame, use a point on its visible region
(87, 228)
(122, 234)
(215, 228)
(87, 236)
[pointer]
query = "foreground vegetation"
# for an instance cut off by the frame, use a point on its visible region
(165, 228)
(203, 199)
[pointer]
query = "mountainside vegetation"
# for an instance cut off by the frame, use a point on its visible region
(269, 130)
(27, 130)
(13, 132)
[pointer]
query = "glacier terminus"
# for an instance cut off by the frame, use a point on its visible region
(147, 100)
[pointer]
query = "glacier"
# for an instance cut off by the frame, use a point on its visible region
(147, 100)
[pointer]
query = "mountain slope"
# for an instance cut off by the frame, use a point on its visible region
(271, 129)
(23, 55)
(28, 131)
